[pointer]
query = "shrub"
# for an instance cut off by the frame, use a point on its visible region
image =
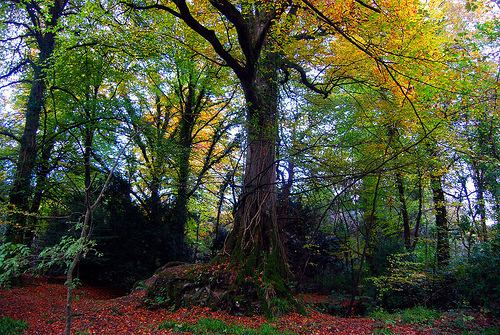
(408, 283)
(384, 316)
(14, 261)
(10, 326)
(477, 281)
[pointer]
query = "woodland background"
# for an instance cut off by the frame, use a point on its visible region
(347, 148)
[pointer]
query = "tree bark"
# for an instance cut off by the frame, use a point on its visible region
(404, 212)
(21, 187)
(21, 190)
(478, 178)
(191, 104)
(443, 246)
(255, 244)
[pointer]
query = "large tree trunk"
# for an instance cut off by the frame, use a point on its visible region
(255, 244)
(21, 188)
(443, 246)
(20, 193)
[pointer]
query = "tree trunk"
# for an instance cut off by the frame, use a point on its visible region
(418, 220)
(87, 223)
(189, 110)
(255, 244)
(21, 188)
(443, 246)
(43, 170)
(478, 178)
(154, 202)
(20, 193)
(216, 245)
(404, 212)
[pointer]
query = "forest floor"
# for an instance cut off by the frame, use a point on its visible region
(40, 302)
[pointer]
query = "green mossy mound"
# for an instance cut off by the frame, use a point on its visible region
(218, 287)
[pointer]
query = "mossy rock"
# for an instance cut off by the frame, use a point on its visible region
(208, 285)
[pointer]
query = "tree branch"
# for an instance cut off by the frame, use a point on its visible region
(10, 135)
(375, 9)
(303, 78)
(210, 36)
(14, 69)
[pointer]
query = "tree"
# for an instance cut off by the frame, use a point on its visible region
(255, 242)
(39, 22)
(179, 139)
(255, 28)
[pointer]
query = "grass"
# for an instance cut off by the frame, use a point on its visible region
(491, 331)
(218, 327)
(10, 326)
(416, 315)
(383, 331)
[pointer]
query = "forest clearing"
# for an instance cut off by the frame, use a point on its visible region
(249, 167)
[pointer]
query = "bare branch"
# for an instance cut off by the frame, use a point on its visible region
(15, 69)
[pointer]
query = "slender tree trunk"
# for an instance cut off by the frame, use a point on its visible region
(418, 220)
(443, 246)
(43, 170)
(285, 215)
(478, 178)
(87, 223)
(404, 212)
(215, 243)
(154, 201)
(186, 125)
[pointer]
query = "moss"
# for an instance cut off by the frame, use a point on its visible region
(256, 284)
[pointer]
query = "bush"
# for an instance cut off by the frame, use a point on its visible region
(10, 326)
(477, 281)
(408, 284)
(14, 261)
(218, 327)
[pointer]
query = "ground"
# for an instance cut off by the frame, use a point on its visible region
(41, 302)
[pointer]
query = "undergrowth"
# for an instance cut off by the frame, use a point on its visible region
(10, 326)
